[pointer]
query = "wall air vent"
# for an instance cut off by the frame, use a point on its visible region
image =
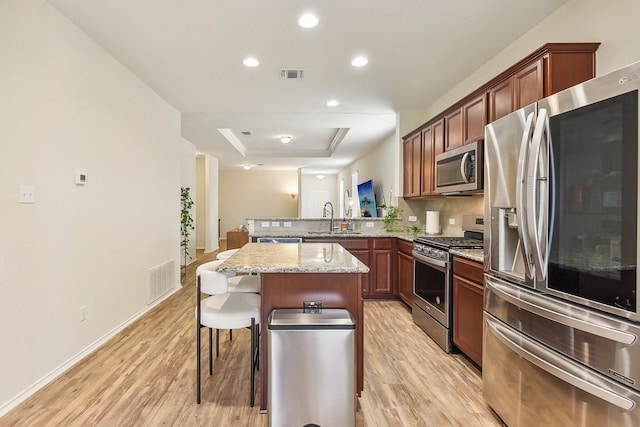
(289, 73)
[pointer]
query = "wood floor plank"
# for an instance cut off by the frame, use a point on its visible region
(145, 376)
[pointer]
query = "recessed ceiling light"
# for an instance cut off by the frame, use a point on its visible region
(308, 21)
(320, 176)
(360, 61)
(285, 139)
(332, 103)
(251, 62)
(247, 167)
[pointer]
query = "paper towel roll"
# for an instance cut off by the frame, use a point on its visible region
(433, 222)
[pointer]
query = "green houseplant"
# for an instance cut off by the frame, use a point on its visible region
(391, 218)
(186, 224)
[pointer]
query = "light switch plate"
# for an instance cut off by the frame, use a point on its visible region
(26, 194)
(81, 178)
(413, 218)
(286, 224)
(368, 224)
(275, 223)
(265, 224)
(452, 221)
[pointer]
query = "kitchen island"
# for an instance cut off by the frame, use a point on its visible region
(296, 272)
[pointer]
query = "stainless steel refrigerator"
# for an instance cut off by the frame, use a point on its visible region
(561, 321)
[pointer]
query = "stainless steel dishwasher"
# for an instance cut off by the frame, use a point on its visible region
(311, 368)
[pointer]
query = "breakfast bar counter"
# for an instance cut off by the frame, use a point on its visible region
(292, 273)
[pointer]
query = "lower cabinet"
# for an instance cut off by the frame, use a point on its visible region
(378, 255)
(405, 272)
(468, 294)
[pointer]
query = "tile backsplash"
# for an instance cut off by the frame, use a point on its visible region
(450, 207)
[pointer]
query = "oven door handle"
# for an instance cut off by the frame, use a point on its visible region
(429, 261)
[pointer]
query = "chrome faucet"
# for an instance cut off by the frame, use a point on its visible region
(324, 215)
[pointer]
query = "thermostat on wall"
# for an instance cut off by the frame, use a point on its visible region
(81, 178)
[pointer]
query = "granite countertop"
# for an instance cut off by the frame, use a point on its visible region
(338, 235)
(293, 258)
(472, 254)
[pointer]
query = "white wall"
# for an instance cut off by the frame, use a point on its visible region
(67, 105)
(188, 180)
(380, 165)
(613, 23)
(255, 194)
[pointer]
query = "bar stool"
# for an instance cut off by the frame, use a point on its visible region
(223, 310)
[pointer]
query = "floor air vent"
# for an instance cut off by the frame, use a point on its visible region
(161, 280)
(287, 73)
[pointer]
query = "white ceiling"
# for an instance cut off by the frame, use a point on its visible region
(191, 51)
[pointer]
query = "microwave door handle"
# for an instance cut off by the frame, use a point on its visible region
(520, 193)
(463, 167)
(536, 209)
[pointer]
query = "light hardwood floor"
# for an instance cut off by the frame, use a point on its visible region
(145, 376)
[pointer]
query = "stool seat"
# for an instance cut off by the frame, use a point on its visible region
(230, 311)
(226, 254)
(245, 283)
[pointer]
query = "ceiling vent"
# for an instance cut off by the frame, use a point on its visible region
(246, 132)
(289, 73)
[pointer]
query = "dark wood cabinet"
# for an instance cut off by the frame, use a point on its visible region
(468, 294)
(382, 283)
(453, 130)
(379, 255)
(432, 145)
(474, 118)
(405, 272)
(554, 67)
(412, 157)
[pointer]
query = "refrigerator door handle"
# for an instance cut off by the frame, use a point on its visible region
(547, 309)
(536, 213)
(509, 339)
(520, 193)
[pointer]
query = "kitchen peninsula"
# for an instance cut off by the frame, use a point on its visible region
(295, 272)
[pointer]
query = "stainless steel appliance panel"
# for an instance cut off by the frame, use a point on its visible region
(432, 287)
(438, 333)
(502, 243)
(605, 343)
(460, 170)
(530, 385)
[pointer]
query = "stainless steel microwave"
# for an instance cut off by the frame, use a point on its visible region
(460, 170)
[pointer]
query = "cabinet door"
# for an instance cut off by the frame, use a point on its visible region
(405, 277)
(382, 281)
(426, 182)
(528, 85)
(474, 115)
(500, 100)
(467, 317)
(453, 130)
(411, 165)
(363, 255)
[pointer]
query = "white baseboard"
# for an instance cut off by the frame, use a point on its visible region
(32, 389)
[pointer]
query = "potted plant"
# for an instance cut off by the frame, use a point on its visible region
(186, 224)
(391, 217)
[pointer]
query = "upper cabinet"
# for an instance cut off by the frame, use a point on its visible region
(419, 151)
(550, 69)
(466, 123)
(411, 156)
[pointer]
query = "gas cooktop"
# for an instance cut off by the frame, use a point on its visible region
(469, 241)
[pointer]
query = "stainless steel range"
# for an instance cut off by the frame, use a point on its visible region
(433, 279)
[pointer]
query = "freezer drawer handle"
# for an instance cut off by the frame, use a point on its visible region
(609, 396)
(590, 327)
